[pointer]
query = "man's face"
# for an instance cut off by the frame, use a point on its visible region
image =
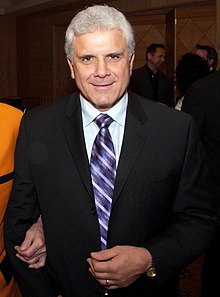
(202, 53)
(101, 67)
(155, 60)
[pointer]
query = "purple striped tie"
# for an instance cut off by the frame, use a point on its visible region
(103, 171)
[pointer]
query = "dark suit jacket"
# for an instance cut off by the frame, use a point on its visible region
(202, 101)
(140, 83)
(158, 201)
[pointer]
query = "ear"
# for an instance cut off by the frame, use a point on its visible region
(71, 68)
(149, 56)
(131, 63)
(210, 62)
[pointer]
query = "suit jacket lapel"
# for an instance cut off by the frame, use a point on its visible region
(135, 136)
(73, 131)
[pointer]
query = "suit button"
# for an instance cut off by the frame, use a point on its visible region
(94, 211)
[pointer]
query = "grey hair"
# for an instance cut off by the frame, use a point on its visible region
(98, 17)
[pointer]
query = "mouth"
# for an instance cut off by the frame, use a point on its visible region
(102, 85)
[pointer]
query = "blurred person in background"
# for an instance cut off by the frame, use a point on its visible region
(202, 101)
(190, 68)
(32, 251)
(149, 81)
(208, 53)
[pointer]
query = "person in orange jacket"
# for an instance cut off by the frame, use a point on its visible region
(32, 253)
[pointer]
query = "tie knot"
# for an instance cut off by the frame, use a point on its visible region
(103, 120)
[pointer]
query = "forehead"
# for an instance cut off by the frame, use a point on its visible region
(100, 41)
(201, 52)
(160, 51)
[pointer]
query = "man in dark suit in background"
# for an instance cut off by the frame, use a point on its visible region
(202, 101)
(149, 81)
(158, 207)
(209, 54)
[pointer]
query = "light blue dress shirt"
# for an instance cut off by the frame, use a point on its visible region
(116, 129)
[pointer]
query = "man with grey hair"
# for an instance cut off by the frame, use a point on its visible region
(121, 213)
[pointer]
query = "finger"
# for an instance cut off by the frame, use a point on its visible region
(34, 251)
(25, 255)
(90, 262)
(39, 264)
(102, 266)
(27, 240)
(31, 252)
(21, 258)
(104, 255)
(99, 275)
(27, 260)
(92, 272)
(36, 262)
(107, 283)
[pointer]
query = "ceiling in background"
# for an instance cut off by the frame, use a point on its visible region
(15, 7)
(25, 6)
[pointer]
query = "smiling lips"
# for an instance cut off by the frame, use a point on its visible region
(102, 85)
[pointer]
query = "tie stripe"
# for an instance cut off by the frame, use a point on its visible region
(103, 172)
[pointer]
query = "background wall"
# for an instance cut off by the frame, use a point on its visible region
(8, 57)
(195, 25)
(32, 58)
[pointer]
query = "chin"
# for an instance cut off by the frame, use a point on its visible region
(103, 105)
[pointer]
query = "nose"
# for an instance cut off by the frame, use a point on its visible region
(101, 68)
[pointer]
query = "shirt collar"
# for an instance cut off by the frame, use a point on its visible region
(117, 112)
(151, 73)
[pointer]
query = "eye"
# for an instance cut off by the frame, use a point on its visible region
(114, 57)
(87, 59)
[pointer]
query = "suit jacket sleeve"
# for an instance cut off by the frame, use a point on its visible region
(33, 283)
(193, 215)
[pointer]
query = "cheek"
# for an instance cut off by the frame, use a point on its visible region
(83, 73)
(81, 76)
(127, 72)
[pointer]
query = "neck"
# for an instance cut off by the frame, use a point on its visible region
(152, 68)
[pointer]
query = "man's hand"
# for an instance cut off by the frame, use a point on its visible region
(119, 266)
(33, 249)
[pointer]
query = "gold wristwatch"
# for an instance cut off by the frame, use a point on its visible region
(151, 272)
